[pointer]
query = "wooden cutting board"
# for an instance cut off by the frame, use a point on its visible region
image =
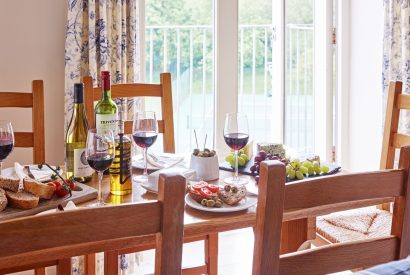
(84, 193)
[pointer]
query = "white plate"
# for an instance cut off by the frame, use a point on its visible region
(242, 205)
(150, 187)
(10, 172)
(138, 161)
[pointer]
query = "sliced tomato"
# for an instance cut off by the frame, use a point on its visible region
(198, 186)
(205, 193)
(52, 184)
(213, 188)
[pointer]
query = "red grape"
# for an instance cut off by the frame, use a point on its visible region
(259, 158)
(275, 158)
(263, 154)
(253, 168)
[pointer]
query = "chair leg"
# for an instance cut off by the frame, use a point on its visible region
(111, 262)
(64, 266)
(211, 253)
(89, 264)
(40, 271)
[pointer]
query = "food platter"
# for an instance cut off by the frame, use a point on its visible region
(244, 204)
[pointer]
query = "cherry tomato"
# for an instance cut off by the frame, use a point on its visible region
(71, 184)
(199, 186)
(205, 193)
(213, 188)
(61, 190)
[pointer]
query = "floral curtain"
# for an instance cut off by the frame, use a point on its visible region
(396, 50)
(102, 35)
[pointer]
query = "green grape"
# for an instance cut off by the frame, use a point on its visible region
(318, 171)
(303, 169)
(307, 164)
(245, 157)
(291, 174)
(232, 163)
(324, 169)
(316, 165)
(311, 171)
(241, 161)
(299, 175)
(241, 152)
(229, 158)
(288, 169)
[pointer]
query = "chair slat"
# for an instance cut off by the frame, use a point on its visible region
(403, 102)
(400, 140)
(136, 90)
(91, 225)
(338, 257)
(23, 139)
(128, 126)
(39, 153)
(13, 99)
(344, 188)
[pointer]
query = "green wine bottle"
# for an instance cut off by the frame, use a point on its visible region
(106, 111)
(76, 138)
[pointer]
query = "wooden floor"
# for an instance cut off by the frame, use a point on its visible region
(235, 255)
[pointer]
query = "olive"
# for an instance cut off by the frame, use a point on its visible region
(205, 154)
(218, 203)
(234, 189)
(210, 203)
(207, 150)
(204, 201)
(201, 154)
(196, 152)
(227, 188)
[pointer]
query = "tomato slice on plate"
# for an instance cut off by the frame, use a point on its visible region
(213, 188)
(199, 186)
(205, 193)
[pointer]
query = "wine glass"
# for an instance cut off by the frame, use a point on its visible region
(236, 135)
(144, 134)
(6, 141)
(100, 153)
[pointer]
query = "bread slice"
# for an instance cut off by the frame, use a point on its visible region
(22, 200)
(3, 199)
(37, 188)
(232, 198)
(11, 184)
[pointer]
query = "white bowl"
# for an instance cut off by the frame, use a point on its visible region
(207, 168)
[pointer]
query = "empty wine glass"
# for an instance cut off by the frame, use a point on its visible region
(236, 135)
(6, 141)
(145, 134)
(100, 153)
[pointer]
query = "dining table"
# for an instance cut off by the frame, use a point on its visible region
(199, 226)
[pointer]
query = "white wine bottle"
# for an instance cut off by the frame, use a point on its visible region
(106, 111)
(120, 170)
(76, 138)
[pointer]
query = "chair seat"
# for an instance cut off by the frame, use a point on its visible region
(352, 225)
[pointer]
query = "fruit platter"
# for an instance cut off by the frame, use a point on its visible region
(296, 169)
(214, 198)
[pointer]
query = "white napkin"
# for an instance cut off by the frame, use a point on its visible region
(19, 169)
(164, 161)
(153, 178)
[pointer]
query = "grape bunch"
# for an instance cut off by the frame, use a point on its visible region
(261, 156)
(298, 170)
(242, 158)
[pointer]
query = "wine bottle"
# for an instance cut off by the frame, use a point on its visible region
(106, 111)
(120, 170)
(76, 138)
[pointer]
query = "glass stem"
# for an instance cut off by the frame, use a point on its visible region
(100, 178)
(145, 161)
(235, 177)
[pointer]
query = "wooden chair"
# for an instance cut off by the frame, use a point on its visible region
(279, 201)
(52, 237)
(35, 101)
(162, 90)
(165, 126)
(336, 227)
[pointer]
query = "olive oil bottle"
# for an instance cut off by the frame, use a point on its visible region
(120, 170)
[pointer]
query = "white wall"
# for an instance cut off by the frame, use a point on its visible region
(365, 115)
(32, 47)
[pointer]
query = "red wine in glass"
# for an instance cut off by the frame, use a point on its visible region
(100, 162)
(144, 139)
(236, 140)
(6, 147)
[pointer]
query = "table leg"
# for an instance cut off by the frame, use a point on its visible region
(294, 234)
(211, 253)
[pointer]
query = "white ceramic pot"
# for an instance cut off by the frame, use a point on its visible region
(207, 168)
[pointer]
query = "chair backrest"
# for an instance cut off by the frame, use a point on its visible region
(314, 197)
(35, 101)
(26, 241)
(162, 90)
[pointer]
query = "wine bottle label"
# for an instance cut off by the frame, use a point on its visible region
(106, 122)
(81, 167)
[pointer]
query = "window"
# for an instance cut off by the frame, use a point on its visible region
(281, 84)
